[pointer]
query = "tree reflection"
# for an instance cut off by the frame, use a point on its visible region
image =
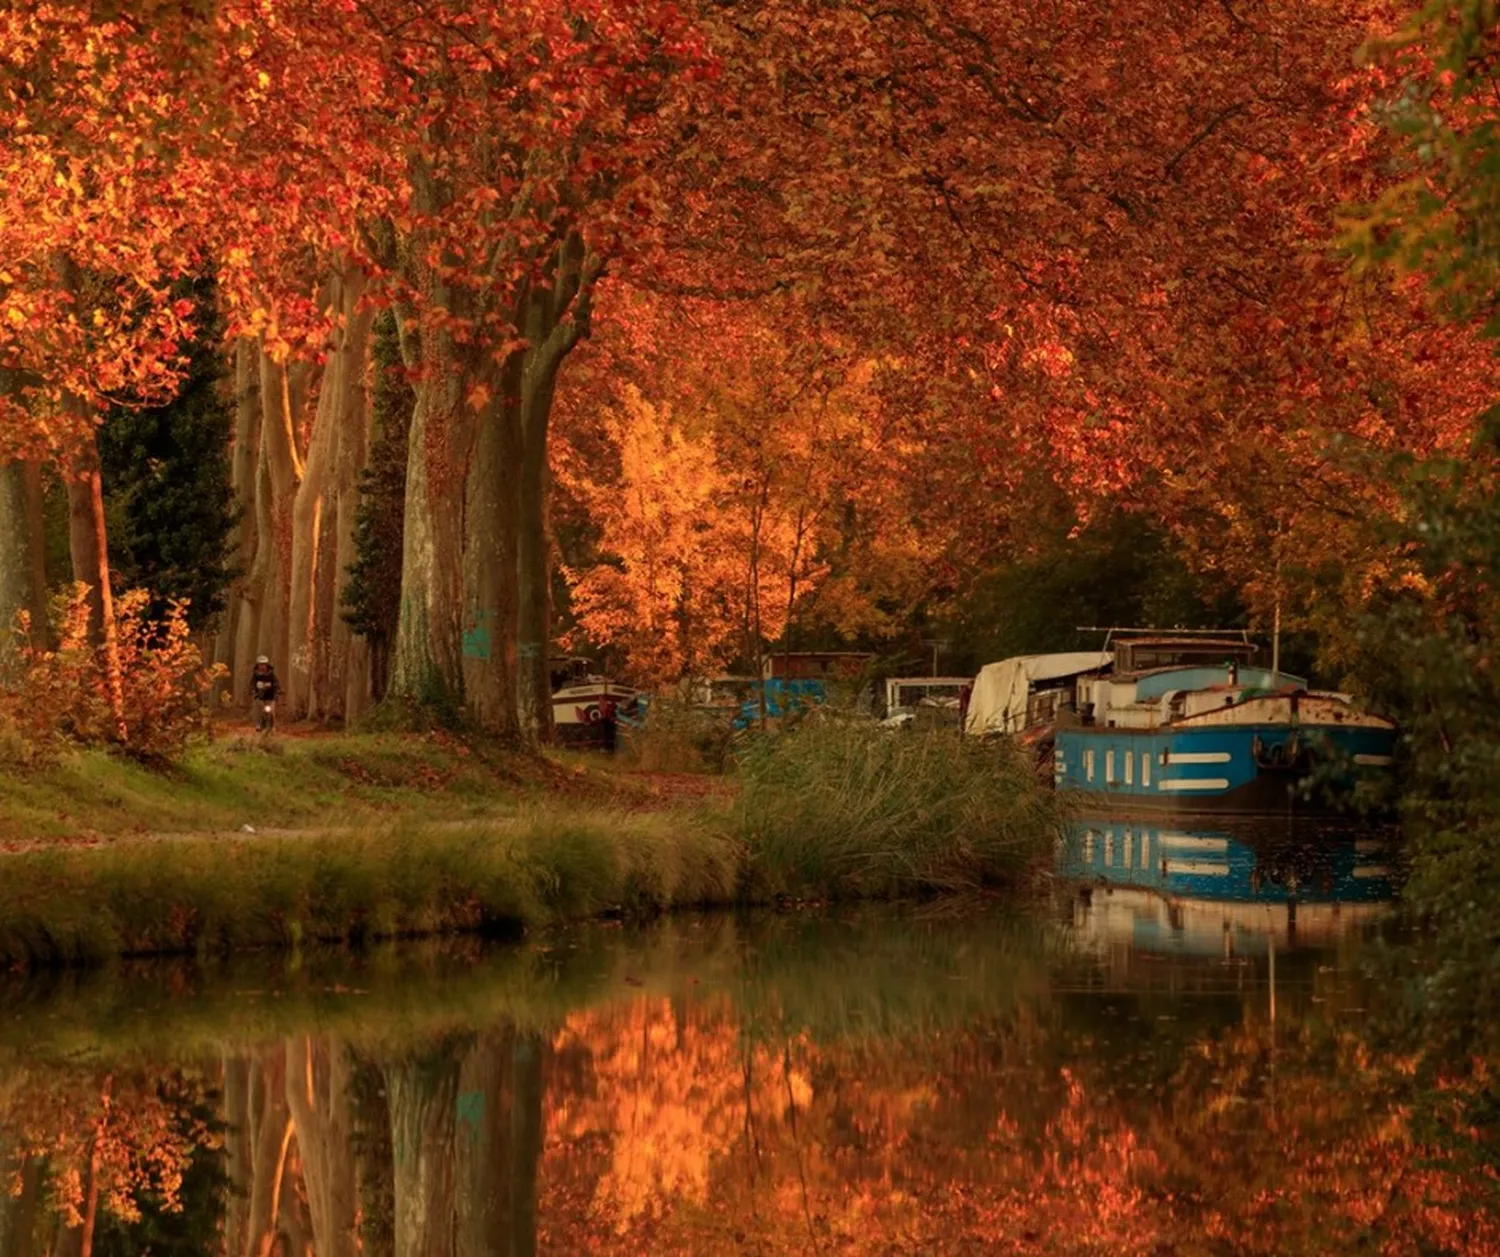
(861, 1094)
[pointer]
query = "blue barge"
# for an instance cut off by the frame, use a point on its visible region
(1185, 723)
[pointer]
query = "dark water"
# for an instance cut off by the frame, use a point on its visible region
(1179, 1052)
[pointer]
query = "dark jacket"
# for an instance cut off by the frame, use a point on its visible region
(263, 684)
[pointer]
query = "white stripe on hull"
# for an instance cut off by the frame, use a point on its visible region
(1197, 757)
(1194, 783)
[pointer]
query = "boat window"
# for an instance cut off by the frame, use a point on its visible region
(1109, 767)
(1142, 656)
(1088, 764)
(1145, 768)
(1129, 768)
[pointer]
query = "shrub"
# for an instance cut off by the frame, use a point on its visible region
(59, 697)
(677, 738)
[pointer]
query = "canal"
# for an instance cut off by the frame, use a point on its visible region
(1179, 1048)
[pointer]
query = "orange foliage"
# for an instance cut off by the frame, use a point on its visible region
(1078, 248)
(101, 209)
(62, 694)
(733, 499)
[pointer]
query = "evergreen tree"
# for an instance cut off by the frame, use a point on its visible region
(372, 597)
(168, 491)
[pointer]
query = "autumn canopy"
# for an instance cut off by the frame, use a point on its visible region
(709, 322)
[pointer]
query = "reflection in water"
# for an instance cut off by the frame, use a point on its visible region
(885, 1081)
(1206, 891)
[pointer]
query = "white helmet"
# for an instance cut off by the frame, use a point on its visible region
(262, 659)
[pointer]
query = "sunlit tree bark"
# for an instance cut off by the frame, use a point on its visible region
(88, 544)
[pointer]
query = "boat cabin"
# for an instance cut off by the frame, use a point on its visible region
(568, 670)
(1179, 650)
(1160, 678)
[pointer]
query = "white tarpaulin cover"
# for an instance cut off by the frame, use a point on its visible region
(998, 701)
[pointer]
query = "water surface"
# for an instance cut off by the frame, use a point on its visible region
(1179, 1051)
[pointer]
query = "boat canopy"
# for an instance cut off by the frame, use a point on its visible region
(998, 703)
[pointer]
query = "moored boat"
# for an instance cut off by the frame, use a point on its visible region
(1187, 722)
(585, 712)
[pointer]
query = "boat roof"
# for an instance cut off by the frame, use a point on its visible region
(998, 701)
(1135, 674)
(1185, 641)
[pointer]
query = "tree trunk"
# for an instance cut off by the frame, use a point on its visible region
(307, 524)
(294, 1226)
(256, 587)
(348, 655)
(525, 1143)
(238, 1160)
(555, 318)
(23, 575)
(427, 664)
(244, 469)
(316, 675)
(423, 1098)
(490, 559)
(284, 392)
(270, 1138)
(20, 1214)
(374, 1162)
(533, 566)
(88, 545)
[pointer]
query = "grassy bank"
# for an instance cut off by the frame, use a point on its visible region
(288, 783)
(468, 846)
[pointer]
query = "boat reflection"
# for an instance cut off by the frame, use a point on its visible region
(1162, 888)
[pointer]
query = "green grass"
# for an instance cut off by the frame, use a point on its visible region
(68, 905)
(287, 783)
(840, 810)
(406, 837)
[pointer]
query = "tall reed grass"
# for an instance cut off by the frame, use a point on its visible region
(835, 809)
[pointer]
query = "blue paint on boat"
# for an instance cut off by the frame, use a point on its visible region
(1181, 769)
